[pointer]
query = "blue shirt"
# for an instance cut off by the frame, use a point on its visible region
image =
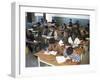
(73, 56)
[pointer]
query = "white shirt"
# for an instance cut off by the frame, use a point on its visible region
(74, 43)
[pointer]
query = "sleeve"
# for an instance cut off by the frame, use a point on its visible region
(77, 41)
(70, 41)
(75, 57)
(65, 54)
(55, 35)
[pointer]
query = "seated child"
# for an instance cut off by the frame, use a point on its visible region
(70, 52)
(56, 46)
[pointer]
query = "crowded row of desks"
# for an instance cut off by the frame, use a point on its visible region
(68, 43)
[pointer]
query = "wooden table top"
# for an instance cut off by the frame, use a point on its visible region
(51, 59)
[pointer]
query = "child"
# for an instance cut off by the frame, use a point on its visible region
(70, 52)
(74, 40)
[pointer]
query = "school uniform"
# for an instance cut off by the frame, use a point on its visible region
(73, 56)
(74, 43)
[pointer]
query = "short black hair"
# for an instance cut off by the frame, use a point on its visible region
(52, 41)
(46, 26)
(69, 50)
(30, 31)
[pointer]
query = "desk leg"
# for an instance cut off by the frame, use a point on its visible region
(38, 62)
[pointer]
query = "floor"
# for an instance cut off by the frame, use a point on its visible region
(31, 61)
(85, 58)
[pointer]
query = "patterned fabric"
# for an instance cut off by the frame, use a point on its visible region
(73, 56)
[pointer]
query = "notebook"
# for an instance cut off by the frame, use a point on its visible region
(60, 59)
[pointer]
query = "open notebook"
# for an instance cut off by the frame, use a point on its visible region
(50, 52)
(60, 59)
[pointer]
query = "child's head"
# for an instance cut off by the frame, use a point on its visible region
(69, 50)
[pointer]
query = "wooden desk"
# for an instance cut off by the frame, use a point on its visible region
(51, 60)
